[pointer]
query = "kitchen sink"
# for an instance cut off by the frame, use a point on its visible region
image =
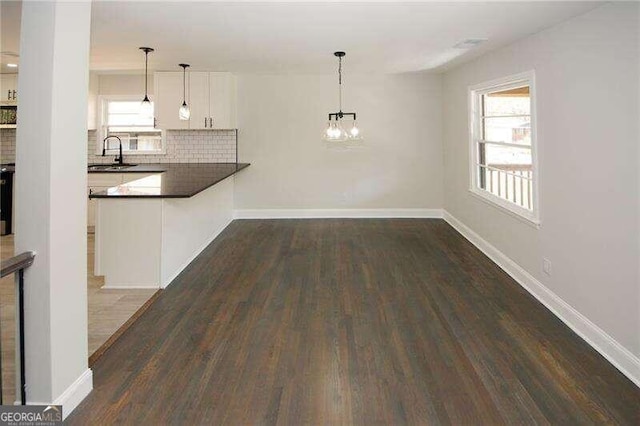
(109, 167)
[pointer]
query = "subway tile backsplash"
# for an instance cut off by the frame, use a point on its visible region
(183, 146)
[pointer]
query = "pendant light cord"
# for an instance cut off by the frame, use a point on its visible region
(340, 82)
(146, 59)
(184, 85)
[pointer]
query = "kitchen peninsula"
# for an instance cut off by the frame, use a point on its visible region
(148, 230)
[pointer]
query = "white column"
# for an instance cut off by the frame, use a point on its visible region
(51, 182)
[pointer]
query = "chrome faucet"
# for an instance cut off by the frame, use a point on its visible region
(104, 148)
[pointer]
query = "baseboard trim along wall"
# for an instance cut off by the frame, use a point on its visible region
(337, 213)
(607, 346)
(73, 395)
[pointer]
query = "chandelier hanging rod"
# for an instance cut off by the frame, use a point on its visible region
(338, 115)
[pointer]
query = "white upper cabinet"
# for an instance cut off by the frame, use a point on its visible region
(222, 100)
(167, 99)
(8, 87)
(199, 97)
(211, 97)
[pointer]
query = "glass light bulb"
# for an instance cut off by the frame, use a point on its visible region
(146, 108)
(341, 134)
(329, 131)
(184, 113)
(354, 132)
(335, 134)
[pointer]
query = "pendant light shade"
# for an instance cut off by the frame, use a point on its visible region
(146, 109)
(184, 112)
(335, 131)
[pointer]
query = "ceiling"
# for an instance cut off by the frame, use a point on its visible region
(301, 37)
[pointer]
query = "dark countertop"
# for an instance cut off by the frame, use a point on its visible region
(173, 180)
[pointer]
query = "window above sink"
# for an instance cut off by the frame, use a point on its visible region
(122, 116)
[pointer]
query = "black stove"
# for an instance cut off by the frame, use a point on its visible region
(6, 198)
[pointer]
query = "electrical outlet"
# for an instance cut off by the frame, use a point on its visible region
(546, 266)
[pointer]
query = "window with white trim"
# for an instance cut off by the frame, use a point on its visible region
(123, 117)
(503, 144)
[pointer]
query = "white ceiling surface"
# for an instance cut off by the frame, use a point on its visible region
(301, 37)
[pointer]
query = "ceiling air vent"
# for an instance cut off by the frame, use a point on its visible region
(470, 43)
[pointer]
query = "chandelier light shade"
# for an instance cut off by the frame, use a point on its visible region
(335, 131)
(146, 108)
(184, 112)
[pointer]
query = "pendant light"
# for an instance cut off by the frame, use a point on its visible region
(335, 132)
(184, 112)
(146, 109)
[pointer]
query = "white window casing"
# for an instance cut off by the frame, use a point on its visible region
(519, 192)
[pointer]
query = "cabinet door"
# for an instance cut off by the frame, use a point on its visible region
(167, 100)
(222, 103)
(8, 87)
(97, 182)
(199, 97)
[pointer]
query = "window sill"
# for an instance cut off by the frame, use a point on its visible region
(533, 222)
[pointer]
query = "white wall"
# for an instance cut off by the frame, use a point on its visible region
(281, 120)
(587, 103)
(190, 224)
(124, 84)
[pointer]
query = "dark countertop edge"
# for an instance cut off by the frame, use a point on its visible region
(126, 171)
(241, 166)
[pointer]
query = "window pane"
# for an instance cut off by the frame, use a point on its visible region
(126, 107)
(508, 102)
(506, 166)
(133, 129)
(510, 130)
(507, 157)
(127, 113)
(125, 120)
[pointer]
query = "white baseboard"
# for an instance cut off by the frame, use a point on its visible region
(196, 253)
(336, 213)
(73, 395)
(602, 342)
(129, 287)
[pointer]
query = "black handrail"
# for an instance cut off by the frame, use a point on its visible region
(17, 264)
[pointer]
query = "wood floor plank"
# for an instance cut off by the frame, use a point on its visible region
(340, 321)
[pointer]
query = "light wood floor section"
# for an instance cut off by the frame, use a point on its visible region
(108, 310)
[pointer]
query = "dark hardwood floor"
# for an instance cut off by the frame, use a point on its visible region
(351, 322)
